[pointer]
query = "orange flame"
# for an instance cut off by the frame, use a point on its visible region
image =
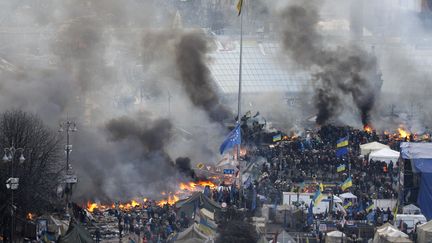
(92, 206)
(403, 133)
(173, 197)
(367, 128)
(171, 200)
(30, 216)
(243, 152)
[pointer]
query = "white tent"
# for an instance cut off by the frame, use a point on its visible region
(411, 209)
(385, 155)
(370, 147)
(389, 233)
(284, 237)
(334, 236)
(192, 235)
(347, 195)
(424, 232)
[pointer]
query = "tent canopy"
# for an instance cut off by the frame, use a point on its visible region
(336, 233)
(347, 195)
(385, 155)
(285, 237)
(411, 209)
(334, 236)
(370, 147)
(191, 235)
(389, 233)
(76, 234)
(420, 155)
(424, 232)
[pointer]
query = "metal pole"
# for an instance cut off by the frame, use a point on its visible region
(12, 197)
(67, 146)
(169, 104)
(239, 104)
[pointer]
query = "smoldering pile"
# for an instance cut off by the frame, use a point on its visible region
(337, 72)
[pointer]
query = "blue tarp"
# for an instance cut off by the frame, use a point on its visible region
(420, 155)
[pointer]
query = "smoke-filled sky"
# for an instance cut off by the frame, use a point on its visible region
(139, 87)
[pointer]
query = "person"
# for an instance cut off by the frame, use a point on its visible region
(131, 240)
(97, 235)
(137, 232)
(120, 228)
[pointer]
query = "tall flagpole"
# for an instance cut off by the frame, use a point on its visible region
(239, 103)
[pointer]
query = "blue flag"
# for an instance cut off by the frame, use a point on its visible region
(310, 216)
(233, 138)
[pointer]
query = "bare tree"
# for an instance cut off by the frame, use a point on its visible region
(39, 175)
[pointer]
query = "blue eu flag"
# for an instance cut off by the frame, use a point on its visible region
(233, 138)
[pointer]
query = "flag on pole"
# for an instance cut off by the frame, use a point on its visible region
(341, 168)
(317, 198)
(233, 138)
(349, 204)
(347, 184)
(372, 206)
(277, 138)
(239, 6)
(395, 210)
(310, 216)
(342, 146)
(321, 187)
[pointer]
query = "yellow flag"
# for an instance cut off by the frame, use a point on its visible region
(239, 6)
(321, 187)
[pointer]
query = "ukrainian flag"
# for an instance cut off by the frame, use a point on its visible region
(349, 204)
(318, 197)
(341, 168)
(342, 147)
(239, 6)
(347, 184)
(277, 138)
(372, 206)
(342, 142)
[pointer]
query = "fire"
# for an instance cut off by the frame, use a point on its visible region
(192, 186)
(171, 200)
(92, 206)
(184, 190)
(367, 128)
(135, 203)
(243, 152)
(403, 133)
(30, 216)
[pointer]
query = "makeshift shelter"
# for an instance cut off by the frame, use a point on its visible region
(411, 209)
(420, 155)
(348, 195)
(198, 200)
(424, 232)
(335, 237)
(388, 233)
(285, 237)
(76, 234)
(385, 155)
(192, 235)
(370, 147)
(55, 226)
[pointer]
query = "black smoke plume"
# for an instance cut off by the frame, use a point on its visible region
(153, 135)
(195, 76)
(346, 70)
(183, 164)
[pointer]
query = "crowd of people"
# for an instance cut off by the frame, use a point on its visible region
(147, 223)
(312, 158)
(294, 164)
